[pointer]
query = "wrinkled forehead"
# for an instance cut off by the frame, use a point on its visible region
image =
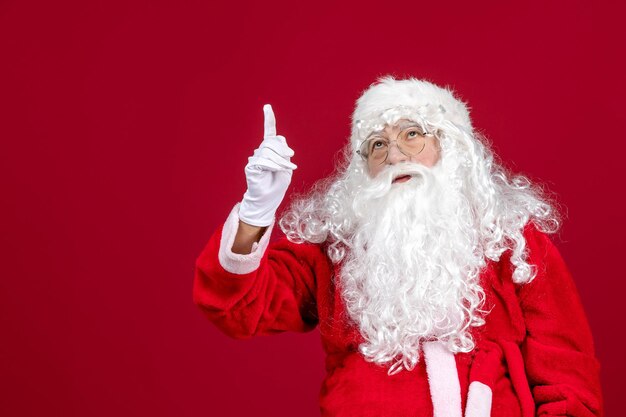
(376, 121)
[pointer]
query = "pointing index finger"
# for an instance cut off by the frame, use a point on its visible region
(270, 121)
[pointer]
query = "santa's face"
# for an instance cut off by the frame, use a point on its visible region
(427, 155)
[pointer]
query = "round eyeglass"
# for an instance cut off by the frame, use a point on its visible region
(411, 142)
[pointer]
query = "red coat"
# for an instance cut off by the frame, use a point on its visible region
(534, 355)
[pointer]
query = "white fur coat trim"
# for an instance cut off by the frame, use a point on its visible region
(237, 263)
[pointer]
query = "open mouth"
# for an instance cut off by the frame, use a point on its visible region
(401, 178)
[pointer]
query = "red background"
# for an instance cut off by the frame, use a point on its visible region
(125, 128)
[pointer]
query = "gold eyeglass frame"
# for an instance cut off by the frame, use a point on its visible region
(365, 158)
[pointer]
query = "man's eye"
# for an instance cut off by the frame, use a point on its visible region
(377, 145)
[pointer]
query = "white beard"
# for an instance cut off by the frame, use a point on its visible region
(411, 272)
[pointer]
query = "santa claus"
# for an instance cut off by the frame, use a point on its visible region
(426, 265)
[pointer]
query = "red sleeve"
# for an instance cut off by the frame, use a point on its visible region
(280, 295)
(558, 350)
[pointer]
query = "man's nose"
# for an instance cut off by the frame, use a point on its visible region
(394, 155)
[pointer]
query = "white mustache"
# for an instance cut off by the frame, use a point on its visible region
(376, 189)
(379, 186)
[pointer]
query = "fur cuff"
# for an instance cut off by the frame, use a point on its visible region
(236, 263)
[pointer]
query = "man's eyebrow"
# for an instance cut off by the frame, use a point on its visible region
(408, 123)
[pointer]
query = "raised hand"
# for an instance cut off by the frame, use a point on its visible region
(268, 174)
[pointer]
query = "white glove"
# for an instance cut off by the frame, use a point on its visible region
(268, 175)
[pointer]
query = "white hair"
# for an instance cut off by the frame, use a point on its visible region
(502, 203)
(412, 253)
